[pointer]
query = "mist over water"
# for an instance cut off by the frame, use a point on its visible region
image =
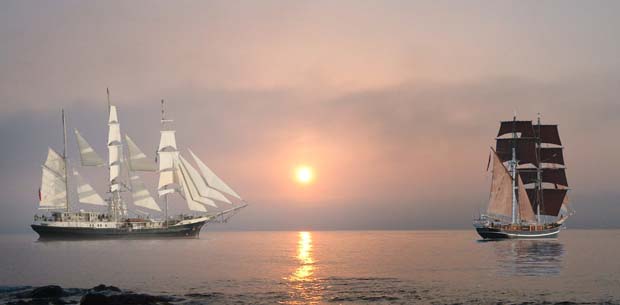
(329, 267)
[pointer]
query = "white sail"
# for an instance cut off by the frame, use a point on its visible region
(201, 186)
(141, 196)
(114, 133)
(114, 149)
(167, 140)
(212, 179)
(53, 190)
(189, 187)
(168, 157)
(138, 161)
(88, 156)
(114, 163)
(86, 193)
(191, 203)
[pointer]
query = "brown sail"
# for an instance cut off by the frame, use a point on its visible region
(548, 134)
(549, 175)
(500, 201)
(525, 150)
(525, 128)
(552, 200)
(552, 155)
(526, 213)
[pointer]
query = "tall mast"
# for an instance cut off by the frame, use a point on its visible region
(64, 156)
(538, 172)
(107, 115)
(163, 125)
(513, 171)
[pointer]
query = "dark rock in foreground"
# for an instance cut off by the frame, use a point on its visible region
(92, 298)
(102, 287)
(98, 295)
(43, 292)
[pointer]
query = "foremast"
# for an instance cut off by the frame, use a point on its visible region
(64, 157)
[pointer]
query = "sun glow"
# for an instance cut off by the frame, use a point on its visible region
(304, 174)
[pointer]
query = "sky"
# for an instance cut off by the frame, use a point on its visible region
(393, 103)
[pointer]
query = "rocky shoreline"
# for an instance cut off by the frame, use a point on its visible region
(98, 295)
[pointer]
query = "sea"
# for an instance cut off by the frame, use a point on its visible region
(329, 267)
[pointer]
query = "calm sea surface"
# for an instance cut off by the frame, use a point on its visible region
(323, 267)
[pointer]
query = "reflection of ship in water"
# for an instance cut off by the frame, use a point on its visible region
(529, 257)
(304, 287)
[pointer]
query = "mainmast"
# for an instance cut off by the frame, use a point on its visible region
(163, 126)
(513, 171)
(538, 172)
(168, 157)
(64, 156)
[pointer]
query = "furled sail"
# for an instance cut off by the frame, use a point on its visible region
(168, 158)
(138, 161)
(86, 193)
(213, 180)
(190, 190)
(88, 156)
(525, 206)
(500, 201)
(114, 149)
(141, 196)
(201, 186)
(53, 190)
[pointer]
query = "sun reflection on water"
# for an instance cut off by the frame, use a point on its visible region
(305, 288)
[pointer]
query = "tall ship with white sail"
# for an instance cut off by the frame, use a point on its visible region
(63, 192)
(529, 188)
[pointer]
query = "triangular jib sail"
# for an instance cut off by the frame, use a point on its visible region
(88, 156)
(138, 161)
(141, 196)
(86, 193)
(212, 179)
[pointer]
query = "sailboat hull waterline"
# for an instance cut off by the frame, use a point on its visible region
(501, 232)
(59, 231)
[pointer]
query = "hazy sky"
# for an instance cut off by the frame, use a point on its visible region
(394, 103)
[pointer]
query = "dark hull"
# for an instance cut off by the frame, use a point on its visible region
(505, 233)
(182, 231)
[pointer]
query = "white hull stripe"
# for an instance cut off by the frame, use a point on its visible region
(529, 235)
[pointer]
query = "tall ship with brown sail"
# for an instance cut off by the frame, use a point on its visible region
(529, 187)
(129, 210)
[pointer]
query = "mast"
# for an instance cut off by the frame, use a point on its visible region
(64, 156)
(163, 125)
(111, 207)
(513, 171)
(538, 172)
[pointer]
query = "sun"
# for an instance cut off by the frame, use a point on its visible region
(304, 174)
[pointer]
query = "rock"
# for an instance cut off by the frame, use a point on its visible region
(47, 292)
(43, 292)
(123, 299)
(102, 287)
